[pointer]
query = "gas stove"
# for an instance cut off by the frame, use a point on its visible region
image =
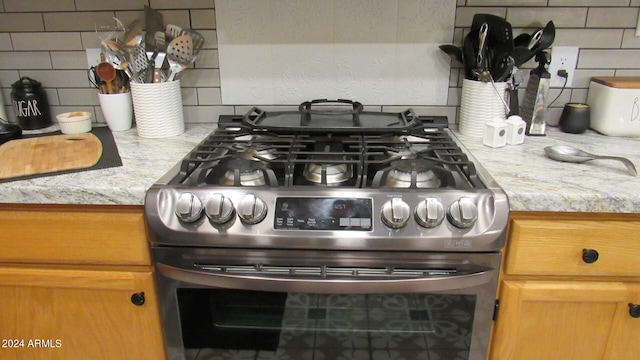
(329, 179)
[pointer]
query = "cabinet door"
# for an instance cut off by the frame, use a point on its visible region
(623, 342)
(547, 320)
(78, 314)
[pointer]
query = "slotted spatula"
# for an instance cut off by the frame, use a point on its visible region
(179, 55)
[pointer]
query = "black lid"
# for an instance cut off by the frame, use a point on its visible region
(26, 81)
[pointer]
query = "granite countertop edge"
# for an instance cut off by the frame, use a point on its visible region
(532, 181)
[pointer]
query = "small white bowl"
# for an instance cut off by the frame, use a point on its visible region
(74, 122)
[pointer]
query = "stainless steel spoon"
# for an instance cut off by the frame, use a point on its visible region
(570, 154)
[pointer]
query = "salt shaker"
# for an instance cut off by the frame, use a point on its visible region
(516, 128)
(495, 133)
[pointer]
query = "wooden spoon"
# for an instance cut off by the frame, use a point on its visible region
(107, 73)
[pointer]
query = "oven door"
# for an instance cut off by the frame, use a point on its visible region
(255, 304)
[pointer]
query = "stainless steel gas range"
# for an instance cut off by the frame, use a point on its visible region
(327, 232)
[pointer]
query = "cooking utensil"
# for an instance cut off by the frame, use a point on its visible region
(179, 55)
(133, 35)
(522, 39)
(571, 154)
(546, 38)
(535, 39)
(197, 39)
(482, 40)
(154, 22)
(173, 31)
(158, 74)
(107, 73)
(47, 154)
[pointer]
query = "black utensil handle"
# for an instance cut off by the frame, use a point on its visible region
(514, 105)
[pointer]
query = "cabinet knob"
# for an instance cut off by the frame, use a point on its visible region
(138, 299)
(589, 256)
(634, 310)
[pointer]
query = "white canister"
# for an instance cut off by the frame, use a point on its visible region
(516, 128)
(615, 105)
(495, 133)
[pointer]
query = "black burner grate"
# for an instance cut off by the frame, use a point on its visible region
(235, 151)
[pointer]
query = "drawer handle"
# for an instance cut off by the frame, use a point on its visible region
(589, 256)
(634, 310)
(138, 299)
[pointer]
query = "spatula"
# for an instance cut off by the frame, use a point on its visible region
(179, 55)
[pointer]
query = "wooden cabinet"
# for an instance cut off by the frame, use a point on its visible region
(556, 302)
(77, 283)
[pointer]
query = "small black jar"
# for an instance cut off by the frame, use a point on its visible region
(30, 104)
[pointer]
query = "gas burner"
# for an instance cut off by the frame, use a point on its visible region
(248, 171)
(417, 171)
(336, 174)
(401, 153)
(254, 154)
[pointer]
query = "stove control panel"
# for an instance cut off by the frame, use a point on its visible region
(306, 213)
(309, 213)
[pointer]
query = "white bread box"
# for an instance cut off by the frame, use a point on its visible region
(615, 105)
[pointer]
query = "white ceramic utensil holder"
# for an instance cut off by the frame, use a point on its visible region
(480, 103)
(158, 109)
(117, 110)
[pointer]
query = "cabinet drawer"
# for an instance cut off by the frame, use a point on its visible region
(555, 247)
(109, 235)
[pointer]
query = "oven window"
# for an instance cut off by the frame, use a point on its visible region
(238, 324)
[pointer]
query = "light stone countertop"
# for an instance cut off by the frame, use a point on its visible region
(534, 182)
(144, 161)
(531, 180)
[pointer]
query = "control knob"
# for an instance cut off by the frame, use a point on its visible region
(429, 213)
(463, 213)
(219, 209)
(188, 208)
(395, 213)
(251, 209)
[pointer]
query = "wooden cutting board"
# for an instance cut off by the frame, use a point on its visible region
(46, 154)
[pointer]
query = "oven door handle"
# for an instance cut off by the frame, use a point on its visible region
(329, 286)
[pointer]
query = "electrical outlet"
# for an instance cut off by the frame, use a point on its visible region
(93, 56)
(563, 58)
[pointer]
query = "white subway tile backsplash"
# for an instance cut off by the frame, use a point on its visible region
(173, 4)
(46, 40)
(38, 5)
(56, 41)
(592, 3)
(601, 17)
(608, 59)
(464, 15)
(630, 40)
(69, 60)
(589, 38)
(79, 97)
(59, 78)
(13, 22)
(209, 96)
(101, 5)
(203, 19)
(570, 17)
(25, 60)
(73, 21)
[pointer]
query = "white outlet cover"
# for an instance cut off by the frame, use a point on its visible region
(563, 58)
(93, 56)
